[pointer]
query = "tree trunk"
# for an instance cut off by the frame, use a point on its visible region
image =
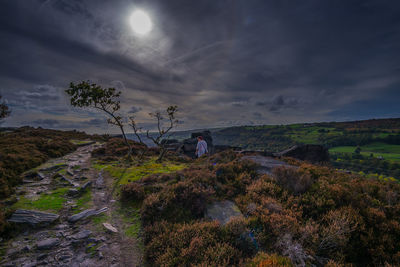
(162, 153)
(126, 140)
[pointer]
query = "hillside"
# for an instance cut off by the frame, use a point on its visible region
(378, 140)
(226, 209)
(26, 147)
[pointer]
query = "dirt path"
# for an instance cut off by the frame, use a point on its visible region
(70, 240)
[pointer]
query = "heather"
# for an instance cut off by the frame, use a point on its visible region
(300, 216)
(26, 148)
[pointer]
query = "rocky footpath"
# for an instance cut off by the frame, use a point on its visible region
(82, 232)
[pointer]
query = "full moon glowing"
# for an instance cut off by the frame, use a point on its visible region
(140, 22)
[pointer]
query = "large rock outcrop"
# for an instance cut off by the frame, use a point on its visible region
(189, 145)
(311, 153)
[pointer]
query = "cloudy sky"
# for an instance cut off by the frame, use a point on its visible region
(227, 62)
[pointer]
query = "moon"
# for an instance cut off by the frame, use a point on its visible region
(140, 22)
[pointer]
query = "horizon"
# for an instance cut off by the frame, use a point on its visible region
(224, 63)
(177, 130)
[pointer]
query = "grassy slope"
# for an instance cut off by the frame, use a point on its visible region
(126, 174)
(379, 137)
(316, 133)
(387, 151)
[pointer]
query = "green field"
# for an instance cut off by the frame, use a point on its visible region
(386, 151)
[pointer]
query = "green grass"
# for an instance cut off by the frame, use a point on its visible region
(129, 214)
(343, 149)
(62, 172)
(309, 135)
(133, 229)
(91, 248)
(83, 202)
(53, 201)
(80, 142)
(127, 174)
(387, 151)
(100, 219)
(381, 147)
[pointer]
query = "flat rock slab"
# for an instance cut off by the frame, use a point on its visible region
(82, 234)
(48, 243)
(54, 168)
(223, 211)
(110, 228)
(267, 164)
(33, 217)
(86, 186)
(85, 214)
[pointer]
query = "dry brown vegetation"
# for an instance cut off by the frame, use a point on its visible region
(115, 148)
(27, 148)
(309, 215)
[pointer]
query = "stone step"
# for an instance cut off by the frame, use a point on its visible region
(33, 217)
(85, 214)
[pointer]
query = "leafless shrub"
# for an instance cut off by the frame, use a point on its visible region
(339, 225)
(292, 179)
(293, 250)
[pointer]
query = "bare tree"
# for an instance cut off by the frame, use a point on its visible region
(4, 110)
(86, 94)
(162, 132)
(136, 131)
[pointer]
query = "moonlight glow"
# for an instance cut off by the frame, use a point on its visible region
(140, 22)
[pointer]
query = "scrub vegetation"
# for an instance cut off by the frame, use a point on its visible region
(312, 215)
(26, 148)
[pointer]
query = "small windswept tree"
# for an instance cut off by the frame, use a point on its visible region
(162, 131)
(4, 110)
(91, 95)
(165, 123)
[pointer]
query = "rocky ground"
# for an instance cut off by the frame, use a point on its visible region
(84, 231)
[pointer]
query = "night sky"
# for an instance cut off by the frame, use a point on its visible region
(222, 62)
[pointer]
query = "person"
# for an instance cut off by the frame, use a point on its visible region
(201, 148)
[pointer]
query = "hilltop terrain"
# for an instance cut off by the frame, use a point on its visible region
(226, 209)
(378, 142)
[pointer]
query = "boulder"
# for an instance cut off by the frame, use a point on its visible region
(189, 145)
(311, 153)
(48, 243)
(223, 211)
(265, 164)
(220, 148)
(85, 214)
(33, 217)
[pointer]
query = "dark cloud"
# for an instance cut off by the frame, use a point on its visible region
(257, 115)
(223, 62)
(134, 109)
(46, 123)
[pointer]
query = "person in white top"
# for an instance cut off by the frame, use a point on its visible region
(201, 148)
